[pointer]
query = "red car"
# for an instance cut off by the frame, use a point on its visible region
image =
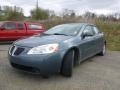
(12, 30)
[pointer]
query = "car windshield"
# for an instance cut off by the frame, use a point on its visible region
(66, 29)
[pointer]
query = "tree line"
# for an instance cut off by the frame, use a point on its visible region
(16, 13)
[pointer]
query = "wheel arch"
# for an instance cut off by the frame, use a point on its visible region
(77, 52)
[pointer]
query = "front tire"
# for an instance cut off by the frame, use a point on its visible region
(68, 64)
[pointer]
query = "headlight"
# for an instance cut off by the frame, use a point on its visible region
(44, 49)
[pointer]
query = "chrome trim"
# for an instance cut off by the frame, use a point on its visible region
(12, 53)
(10, 50)
(15, 48)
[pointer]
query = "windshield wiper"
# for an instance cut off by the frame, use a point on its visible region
(60, 34)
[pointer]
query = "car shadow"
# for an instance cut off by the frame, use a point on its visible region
(6, 42)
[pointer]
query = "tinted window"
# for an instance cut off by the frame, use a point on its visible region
(9, 26)
(21, 26)
(96, 30)
(34, 27)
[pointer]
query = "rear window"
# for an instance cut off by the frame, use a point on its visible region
(34, 27)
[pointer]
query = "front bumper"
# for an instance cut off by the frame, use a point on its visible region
(43, 64)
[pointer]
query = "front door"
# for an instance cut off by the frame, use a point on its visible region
(87, 43)
(11, 31)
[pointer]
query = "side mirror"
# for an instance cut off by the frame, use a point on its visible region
(87, 33)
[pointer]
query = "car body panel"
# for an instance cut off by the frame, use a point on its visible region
(14, 34)
(41, 40)
(45, 64)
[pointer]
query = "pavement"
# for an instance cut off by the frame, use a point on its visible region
(96, 73)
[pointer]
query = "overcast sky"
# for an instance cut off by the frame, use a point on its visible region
(80, 6)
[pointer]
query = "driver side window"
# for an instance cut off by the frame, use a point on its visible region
(88, 31)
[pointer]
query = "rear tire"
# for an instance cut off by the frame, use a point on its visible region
(102, 53)
(68, 64)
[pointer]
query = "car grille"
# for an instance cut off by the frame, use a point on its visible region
(16, 50)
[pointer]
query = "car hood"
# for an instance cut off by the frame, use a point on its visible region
(42, 40)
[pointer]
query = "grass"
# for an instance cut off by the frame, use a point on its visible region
(111, 30)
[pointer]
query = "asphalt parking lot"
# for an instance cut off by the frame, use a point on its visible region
(97, 73)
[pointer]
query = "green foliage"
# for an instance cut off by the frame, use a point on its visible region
(112, 32)
(39, 14)
(11, 13)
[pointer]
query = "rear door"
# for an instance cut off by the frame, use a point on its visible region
(21, 30)
(99, 39)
